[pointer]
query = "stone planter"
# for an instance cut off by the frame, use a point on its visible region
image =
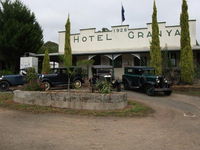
(73, 100)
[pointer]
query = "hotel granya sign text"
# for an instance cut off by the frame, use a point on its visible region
(121, 38)
(130, 35)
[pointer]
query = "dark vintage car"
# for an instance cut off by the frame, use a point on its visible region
(142, 77)
(104, 73)
(63, 77)
(11, 80)
(7, 81)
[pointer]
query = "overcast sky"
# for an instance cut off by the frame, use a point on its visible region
(52, 14)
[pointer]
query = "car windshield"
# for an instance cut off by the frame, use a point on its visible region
(104, 71)
(149, 72)
(65, 70)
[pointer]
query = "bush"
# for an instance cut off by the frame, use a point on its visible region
(33, 83)
(172, 74)
(31, 75)
(5, 72)
(33, 86)
(104, 87)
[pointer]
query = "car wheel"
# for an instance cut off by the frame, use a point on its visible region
(77, 84)
(47, 85)
(168, 93)
(150, 90)
(4, 86)
(126, 86)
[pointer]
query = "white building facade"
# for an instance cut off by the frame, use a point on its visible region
(122, 46)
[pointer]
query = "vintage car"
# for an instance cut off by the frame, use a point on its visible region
(142, 77)
(62, 77)
(11, 80)
(104, 73)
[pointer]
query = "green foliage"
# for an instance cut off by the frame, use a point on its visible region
(170, 72)
(186, 65)
(84, 64)
(46, 63)
(51, 46)
(104, 87)
(68, 51)
(155, 50)
(186, 56)
(33, 83)
(31, 75)
(5, 72)
(33, 86)
(19, 32)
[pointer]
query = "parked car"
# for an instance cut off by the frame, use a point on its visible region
(104, 73)
(6, 81)
(63, 76)
(142, 77)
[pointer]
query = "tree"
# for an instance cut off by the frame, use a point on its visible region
(68, 51)
(155, 50)
(45, 63)
(19, 33)
(186, 54)
(51, 46)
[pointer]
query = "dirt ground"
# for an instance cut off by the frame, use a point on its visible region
(174, 126)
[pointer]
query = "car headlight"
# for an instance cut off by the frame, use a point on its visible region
(165, 80)
(1, 77)
(157, 80)
(41, 76)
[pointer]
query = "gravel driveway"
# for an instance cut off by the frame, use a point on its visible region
(174, 126)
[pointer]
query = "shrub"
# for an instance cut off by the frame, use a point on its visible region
(33, 86)
(33, 83)
(104, 87)
(5, 72)
(172, 74)
(31, 75)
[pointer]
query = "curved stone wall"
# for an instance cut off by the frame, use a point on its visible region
(72, 100)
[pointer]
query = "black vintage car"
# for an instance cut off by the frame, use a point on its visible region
(63, 77)
(6, 81)
(104, 73)
(142, 77)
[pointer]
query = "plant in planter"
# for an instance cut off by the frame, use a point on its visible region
(103, 87)
(33, 83)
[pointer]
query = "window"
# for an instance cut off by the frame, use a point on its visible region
(136, 61)
(144, 61)
(173, 59)
(130, 70)
(118, 62)
(97, 60)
